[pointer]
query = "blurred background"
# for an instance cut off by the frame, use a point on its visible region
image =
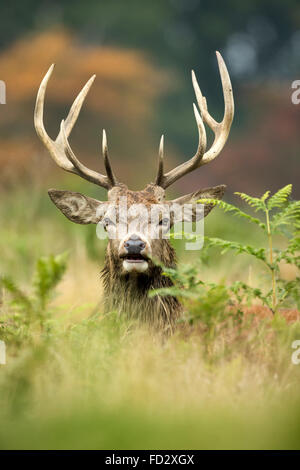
(142, 54)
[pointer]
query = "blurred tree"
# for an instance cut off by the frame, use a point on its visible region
(260, 40)
(261, 36)
(121, 100)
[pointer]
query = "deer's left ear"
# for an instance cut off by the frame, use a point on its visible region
(190, 213)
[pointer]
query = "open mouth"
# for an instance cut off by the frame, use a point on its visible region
(135, 258)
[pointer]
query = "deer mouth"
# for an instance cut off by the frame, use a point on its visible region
(135, 258)
(135, 263)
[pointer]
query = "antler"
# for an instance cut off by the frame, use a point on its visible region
(220, 129)
(60, 149)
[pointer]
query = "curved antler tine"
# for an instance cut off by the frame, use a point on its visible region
(82, 170)
(202, 142)
(201, 100)
(76, 106)
(39, 106)
(227, 91)
(220, 129)
(160, 171)
(60, 149)
(107, 164)
(194, 162)
(72, 157)
(58, 156)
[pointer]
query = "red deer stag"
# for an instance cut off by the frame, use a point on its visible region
(129, 272)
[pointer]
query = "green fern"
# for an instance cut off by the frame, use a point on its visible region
(48, 273)
(34, 306)
(290, 215)
(241, 292)
(280, 198)
(259, 253)
(256, 203)
(226, 207)
(281, 215)
(19, 299)
(286, 217)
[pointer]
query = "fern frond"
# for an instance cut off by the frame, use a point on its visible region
(265, 196)
(235, 211)
(255, 202)
(48, 273)
(291, 254)
(280, 198)
(288, 216)
(294, 243)
(19, 298)
(259, 253)
(241, 289)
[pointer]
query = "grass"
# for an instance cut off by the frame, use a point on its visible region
(105, 384)
(86, 380)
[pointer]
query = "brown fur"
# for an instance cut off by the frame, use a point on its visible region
(127, 294)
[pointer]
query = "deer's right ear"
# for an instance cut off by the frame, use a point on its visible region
(77, 207)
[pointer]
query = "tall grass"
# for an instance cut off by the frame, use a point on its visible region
(106, 384)
(89, 380)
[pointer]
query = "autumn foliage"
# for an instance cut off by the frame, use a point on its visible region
(126, 99)
(121, 99)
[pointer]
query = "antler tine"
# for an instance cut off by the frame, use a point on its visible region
(61, 161)
(186, 167)
(82, 170)
(220, 129)
(160, 172)
(76, 106)
(60, 149)
(107, 164)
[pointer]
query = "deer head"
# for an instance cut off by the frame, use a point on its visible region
(133, 249)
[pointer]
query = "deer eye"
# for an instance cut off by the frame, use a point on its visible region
(164, 222)
(107, 221)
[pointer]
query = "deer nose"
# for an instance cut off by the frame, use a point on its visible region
(134, 245)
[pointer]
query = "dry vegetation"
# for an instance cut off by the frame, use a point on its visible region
(77, 379)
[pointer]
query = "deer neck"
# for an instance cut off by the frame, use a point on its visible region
(127, 294)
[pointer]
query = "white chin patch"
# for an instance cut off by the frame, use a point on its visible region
(138, 267)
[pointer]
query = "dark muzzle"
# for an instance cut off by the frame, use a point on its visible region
(134, 245)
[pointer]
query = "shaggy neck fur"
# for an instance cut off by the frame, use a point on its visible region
(128, 293)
